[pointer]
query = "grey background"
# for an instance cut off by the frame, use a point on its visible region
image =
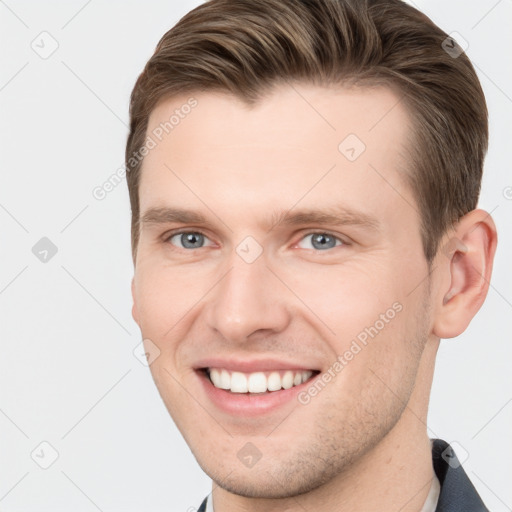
(68, 374)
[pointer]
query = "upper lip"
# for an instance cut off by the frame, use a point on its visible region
(251, 365)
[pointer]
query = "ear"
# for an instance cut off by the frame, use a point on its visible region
(466, 256)
(135, 313)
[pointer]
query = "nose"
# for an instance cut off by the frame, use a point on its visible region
(249, 299)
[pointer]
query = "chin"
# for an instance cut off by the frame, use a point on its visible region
(277, 476)
(269, 484)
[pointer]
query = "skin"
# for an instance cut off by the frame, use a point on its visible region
(361, 443)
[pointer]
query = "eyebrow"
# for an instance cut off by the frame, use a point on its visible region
(334, 216)
(168, 215)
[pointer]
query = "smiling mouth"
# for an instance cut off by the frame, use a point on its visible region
(257, 382)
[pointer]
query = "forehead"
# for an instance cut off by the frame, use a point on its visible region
(298, 143)
(298, 109)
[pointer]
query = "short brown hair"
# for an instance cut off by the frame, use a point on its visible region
(244, 47)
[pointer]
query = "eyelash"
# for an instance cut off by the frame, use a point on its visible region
(168, 236)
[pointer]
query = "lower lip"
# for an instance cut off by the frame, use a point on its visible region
(250, 404)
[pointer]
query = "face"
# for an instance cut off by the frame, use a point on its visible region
(280, 281)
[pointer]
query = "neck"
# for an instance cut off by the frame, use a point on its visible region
(395, 475)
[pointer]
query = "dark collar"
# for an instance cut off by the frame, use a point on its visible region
(457, 492)
(202, 508)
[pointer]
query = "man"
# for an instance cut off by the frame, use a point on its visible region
(304, 177)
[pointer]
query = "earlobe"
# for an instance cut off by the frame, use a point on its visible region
(467, 256)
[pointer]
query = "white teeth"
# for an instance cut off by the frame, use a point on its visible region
(225, 380)
(274, 382)
(215, 376)
(257, 382)
(287, 380)
(238, 383)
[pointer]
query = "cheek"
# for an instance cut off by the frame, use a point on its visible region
(345, 298)
(370, 324)
(165, 296)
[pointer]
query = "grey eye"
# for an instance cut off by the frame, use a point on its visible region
(188, 240)
(321, 241)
